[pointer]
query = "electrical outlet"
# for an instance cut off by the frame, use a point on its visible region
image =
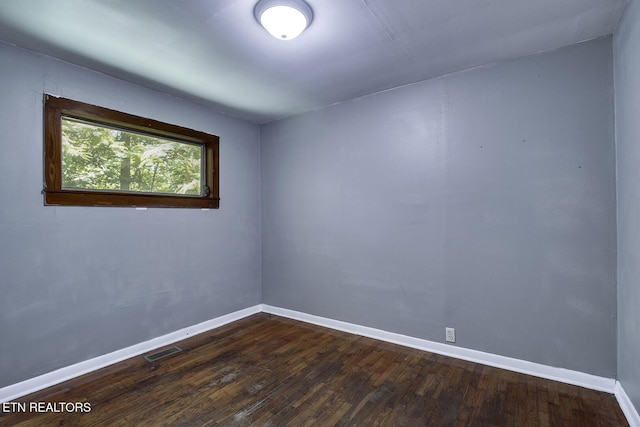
(450, 334)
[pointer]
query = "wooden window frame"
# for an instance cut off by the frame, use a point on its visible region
(56, 108)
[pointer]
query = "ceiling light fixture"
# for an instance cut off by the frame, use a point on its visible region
(283, 19)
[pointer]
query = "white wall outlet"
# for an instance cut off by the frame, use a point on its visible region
(450, 334)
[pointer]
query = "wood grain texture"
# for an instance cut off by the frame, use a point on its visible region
(266, 370)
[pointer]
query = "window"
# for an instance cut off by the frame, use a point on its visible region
(94, 156)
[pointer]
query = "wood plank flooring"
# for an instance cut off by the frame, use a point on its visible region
(265, 370)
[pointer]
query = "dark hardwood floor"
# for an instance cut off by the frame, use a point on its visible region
(269, 371)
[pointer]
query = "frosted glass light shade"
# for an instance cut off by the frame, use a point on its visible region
(283, 19)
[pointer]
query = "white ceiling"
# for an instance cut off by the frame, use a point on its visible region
(214, 51)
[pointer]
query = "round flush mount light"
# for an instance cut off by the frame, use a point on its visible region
(283, 19)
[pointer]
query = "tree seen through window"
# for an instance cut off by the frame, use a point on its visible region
(103, 158)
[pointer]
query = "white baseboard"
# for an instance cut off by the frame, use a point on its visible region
(41, 382)
(543, 371)
(633, 418)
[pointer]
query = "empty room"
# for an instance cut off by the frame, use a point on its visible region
(320, 212)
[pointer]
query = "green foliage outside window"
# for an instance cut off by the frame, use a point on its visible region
(97, 157)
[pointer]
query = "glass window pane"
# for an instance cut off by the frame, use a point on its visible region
(97, 157)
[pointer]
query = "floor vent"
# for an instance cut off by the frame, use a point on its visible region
(162, 354)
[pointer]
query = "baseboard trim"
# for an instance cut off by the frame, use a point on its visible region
(530, 368)
(41, 382)
(633, 418)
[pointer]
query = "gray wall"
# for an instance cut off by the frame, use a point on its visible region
(627, 105)
(81, 282)
(482, 200)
